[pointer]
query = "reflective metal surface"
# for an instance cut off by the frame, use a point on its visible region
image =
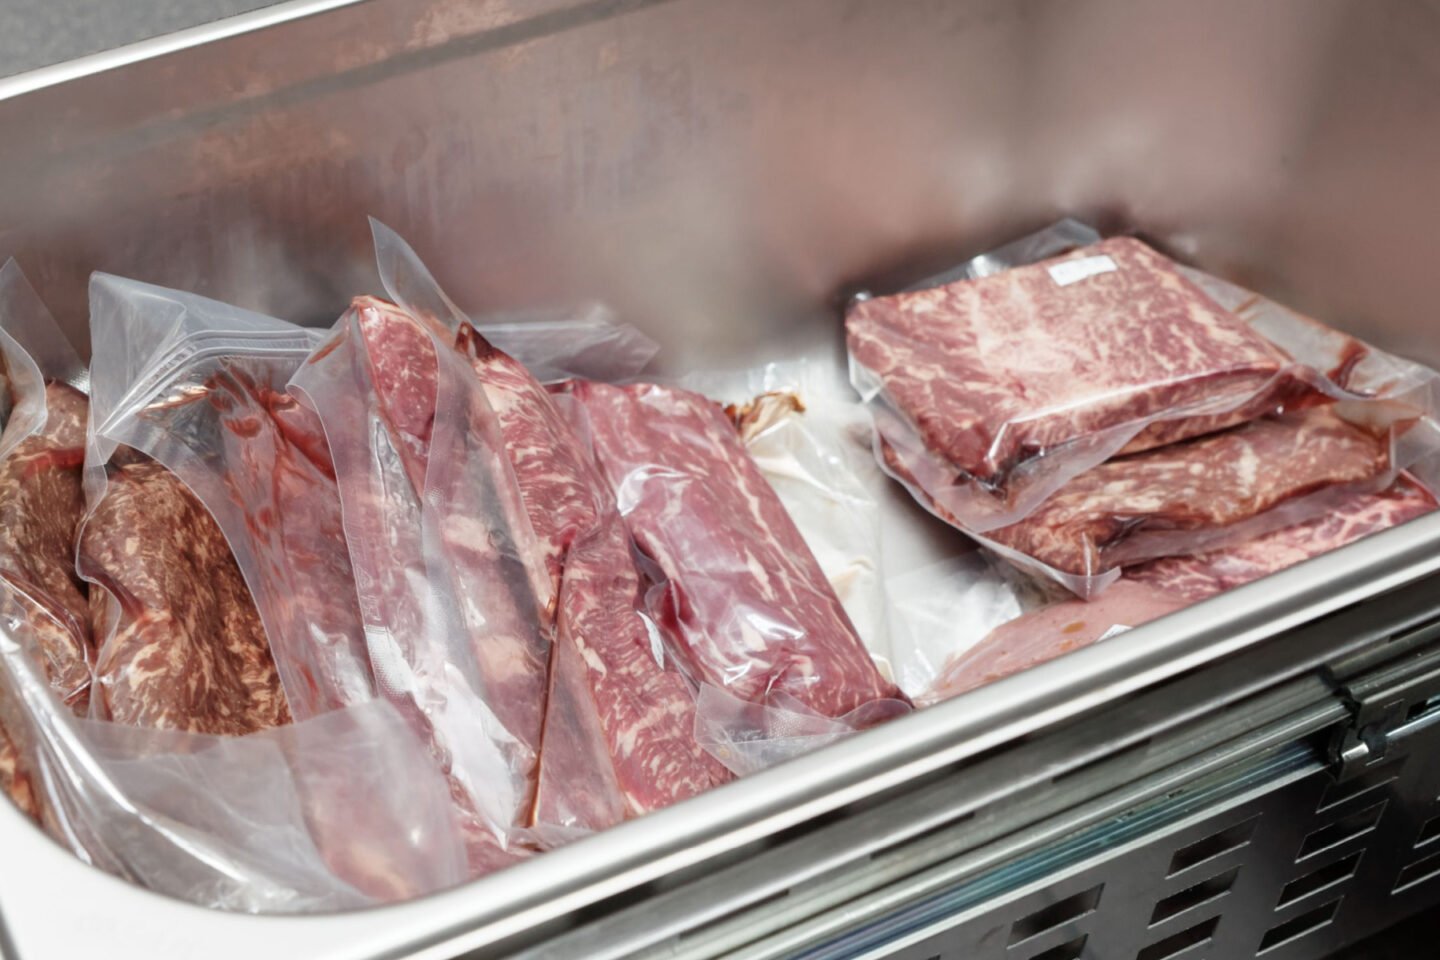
(722, 173)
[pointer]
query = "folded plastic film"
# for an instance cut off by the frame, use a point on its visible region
(299, 819)
(210, 405)
(748, 737)
(976, 408)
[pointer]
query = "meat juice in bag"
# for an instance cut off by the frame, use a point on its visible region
(618, 737)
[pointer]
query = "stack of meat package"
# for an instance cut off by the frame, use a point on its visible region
(1100, 420)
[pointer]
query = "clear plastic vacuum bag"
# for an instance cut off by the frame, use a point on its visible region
(994, 389)
(41, 500)
(444, 579)
(618, 730)
(209, 403)
(1212, 491)
(305, 818)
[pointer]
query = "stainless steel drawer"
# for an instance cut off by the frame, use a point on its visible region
(722, 173)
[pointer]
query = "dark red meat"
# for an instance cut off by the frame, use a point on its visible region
(278, 471)
(604, 666)
(752, 610)
(15, 779)
(454, 637)
(188, 651)
(41, 503)
(994, 371)
(1151, 590)
(1199, 577)
(1047, 633)
(1136, 508)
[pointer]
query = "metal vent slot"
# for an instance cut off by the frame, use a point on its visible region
(1429, 830)
(1191, 897)
(1341, 831)
(1180, 943)
(1303, 925)
(731, 915)
(1231, 838)
(1066, 951)
(1135, 750)
(924, 836)
(1056, 915)
(1322, 879)
(1338, 793)
(1426, 868)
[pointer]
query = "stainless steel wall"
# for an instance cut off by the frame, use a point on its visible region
(718, 169)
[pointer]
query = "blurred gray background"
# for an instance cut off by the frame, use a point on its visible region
(37, 33)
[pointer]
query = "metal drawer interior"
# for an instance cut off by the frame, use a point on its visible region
(722, 173)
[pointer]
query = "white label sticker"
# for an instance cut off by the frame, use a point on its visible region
(1073, 271)
(1114, 631)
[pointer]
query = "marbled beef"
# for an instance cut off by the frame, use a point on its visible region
(1201, 576)
(1186, 497)
(41, 503)
(994, 371)
(1151, 590)
(751, 607)
(188, 650)
(643, 712)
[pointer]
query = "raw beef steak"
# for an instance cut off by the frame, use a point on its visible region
(994, 371)
(41, 503)
(1187, 497)
(750, 605)
(188, 651)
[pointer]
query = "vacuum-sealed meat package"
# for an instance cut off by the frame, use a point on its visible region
(208, 403)
(180, 644)
(184, 648)
(41, 502)
(1200, 576)
(339, 812)
(756, 620)
(991, 391)
(1203, 493)
(618, 737)
(1154, 589)
(445, 575)
(41, 499)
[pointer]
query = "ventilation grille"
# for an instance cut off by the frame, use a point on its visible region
(1290, 873)
(1187, 943)
(1040, 923)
